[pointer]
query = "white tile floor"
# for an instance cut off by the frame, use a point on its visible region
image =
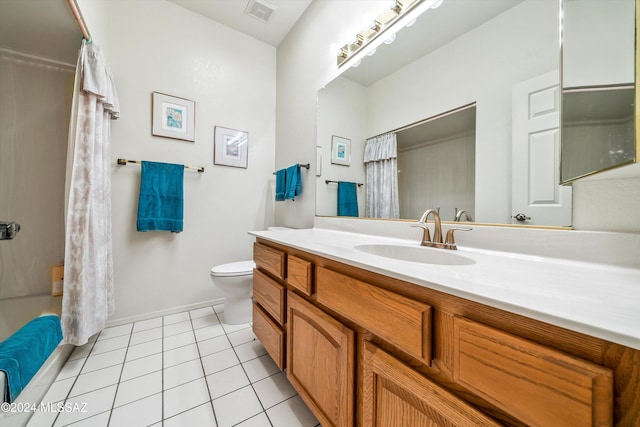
(187, 369)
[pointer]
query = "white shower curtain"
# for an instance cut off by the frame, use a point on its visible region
(380, 158)
(87, 300)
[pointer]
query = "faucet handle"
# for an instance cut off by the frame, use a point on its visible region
(449, 242)
(426, 236)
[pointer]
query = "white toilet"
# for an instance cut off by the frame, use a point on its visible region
(235, 280)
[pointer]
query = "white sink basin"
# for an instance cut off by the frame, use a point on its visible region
(416, 254)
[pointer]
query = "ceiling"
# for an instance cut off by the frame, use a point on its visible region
(42, 18)
(27, 26)
(232, 14)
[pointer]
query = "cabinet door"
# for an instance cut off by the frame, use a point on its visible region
(321, 362)
(394, 395)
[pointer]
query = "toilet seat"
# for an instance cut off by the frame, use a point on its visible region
(234, 269)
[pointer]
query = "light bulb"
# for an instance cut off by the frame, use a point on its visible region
(437, 4)
(390, 39)
(350, 36)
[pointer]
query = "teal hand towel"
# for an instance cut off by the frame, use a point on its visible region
(161, 200)
(280, 185)
(293, 186)
(347, 199)
(24, 352)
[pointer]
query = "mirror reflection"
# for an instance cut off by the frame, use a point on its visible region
(496, 62)
(598, 90)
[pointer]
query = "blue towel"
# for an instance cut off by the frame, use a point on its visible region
(280, 185)
(22, 354)
(293, 186)
(347, 199)
(161, 201)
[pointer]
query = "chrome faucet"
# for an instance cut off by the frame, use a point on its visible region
(460, 213)
(449, 242)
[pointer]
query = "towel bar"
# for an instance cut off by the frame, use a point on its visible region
(123, 162)
(328, 181)
(306, 166)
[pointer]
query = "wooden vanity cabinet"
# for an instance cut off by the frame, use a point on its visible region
(364, 349)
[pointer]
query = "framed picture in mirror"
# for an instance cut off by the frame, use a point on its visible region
(340, 150)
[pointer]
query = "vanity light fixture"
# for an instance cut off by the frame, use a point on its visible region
(383, 29)
(390, 39)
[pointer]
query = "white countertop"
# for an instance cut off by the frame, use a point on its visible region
(596, 299)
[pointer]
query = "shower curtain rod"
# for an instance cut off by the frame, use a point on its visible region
(77, 15)
(427, 120)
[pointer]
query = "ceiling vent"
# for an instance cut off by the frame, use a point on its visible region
(260, 9)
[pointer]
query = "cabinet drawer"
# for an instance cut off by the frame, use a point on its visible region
(537, 385)
(269, 259)
(300, 274)
(394, 395)
(270, 335)
(401, 321)
(270, 295)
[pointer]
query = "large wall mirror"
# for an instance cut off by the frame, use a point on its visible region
(598, 86)
(472, 93)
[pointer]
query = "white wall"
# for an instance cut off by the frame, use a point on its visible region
(154, 45)
(341, 111)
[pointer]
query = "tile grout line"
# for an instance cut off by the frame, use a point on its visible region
(115, 395)
(204, 373)
(64, 400)
(264, 410)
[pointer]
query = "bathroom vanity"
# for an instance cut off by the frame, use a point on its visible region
(473, 338)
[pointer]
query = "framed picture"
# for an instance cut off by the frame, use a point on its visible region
(173, 117)
(230, 147)
(340, 150)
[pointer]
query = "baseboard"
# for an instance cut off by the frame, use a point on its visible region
(165, 312)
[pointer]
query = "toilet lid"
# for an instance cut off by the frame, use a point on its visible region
(240, 268)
